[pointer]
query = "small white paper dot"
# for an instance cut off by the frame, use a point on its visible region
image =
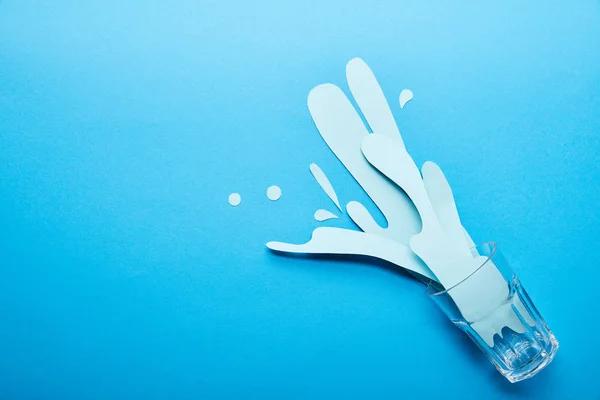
(235, 199)
(273, 193)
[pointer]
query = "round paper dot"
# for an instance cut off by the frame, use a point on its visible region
(273, 193)
(235, 199)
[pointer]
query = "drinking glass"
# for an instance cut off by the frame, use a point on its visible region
(492, 307)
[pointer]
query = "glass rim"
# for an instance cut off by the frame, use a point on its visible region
(488, 258)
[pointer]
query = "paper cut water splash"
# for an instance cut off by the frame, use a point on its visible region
(405, 96)
(322, 180)
(273, 193)
(235, 199)
(324, 215)
(424, 234)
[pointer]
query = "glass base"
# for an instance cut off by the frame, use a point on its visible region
(522, 353)
(534, 365)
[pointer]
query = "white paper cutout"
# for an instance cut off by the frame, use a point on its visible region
(343, 130)
(328, 240)
(273, 193)
(235, 199)
(322, 180)
(406, 95)
(362, 218)
(370, 98)
(389, 156)
(324, 215)
(442, 201)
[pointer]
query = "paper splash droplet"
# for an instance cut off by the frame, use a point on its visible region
(405, 96)
(323, 215)
(235, 199)
(322, 180)
(273, 193)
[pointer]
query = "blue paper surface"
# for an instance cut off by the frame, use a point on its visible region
(124, 127)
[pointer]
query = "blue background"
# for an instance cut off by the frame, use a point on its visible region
(124, 126)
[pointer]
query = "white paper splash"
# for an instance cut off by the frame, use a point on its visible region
(423, 234)
(324, 215)
(323, 181)
(235, 199)
(405, 96)
(273, 193)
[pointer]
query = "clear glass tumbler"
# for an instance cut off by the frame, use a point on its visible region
(492, 307)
